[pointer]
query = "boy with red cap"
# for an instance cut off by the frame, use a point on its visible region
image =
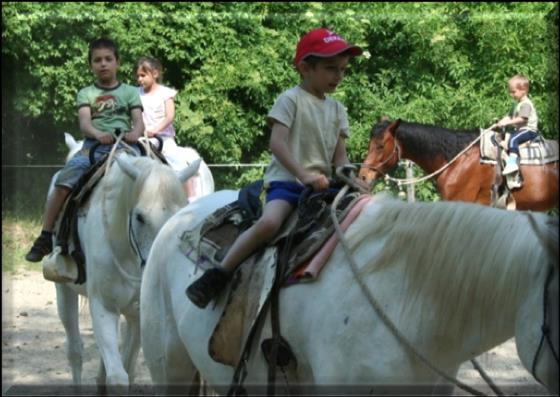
(308, 137)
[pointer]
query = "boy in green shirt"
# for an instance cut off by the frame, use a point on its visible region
(103, 107)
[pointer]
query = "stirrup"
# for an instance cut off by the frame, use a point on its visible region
(59, 268)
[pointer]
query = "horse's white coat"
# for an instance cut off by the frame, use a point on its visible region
(456, 279)
(118, 229)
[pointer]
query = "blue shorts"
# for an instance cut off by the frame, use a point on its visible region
(287, 191)
(78, 166)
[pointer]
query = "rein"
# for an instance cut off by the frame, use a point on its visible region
(545, 328)
(405, 181)
(377, 307)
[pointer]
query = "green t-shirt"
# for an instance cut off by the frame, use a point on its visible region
(110, 107)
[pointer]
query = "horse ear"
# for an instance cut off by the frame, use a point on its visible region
(392, 128)
(70, 141)
(127, 167)
(189, 171)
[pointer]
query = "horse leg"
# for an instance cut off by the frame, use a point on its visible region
(105, 328)
(130, 344)
(171, 368)
(101, 379)
(67, 304)
(444, 388)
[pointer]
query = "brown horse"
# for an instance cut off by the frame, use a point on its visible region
(465, 178)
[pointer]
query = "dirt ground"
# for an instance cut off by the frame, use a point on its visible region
(33, 346)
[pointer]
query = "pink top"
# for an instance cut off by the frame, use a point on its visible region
(154, 108)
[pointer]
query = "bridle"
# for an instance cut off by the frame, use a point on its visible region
(545, 328)
(396, 152)
(134, 241)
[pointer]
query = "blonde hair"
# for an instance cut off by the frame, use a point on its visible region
(149, 65)
(520, 81)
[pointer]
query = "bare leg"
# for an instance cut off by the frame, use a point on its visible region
(189, 188)
(274, 214)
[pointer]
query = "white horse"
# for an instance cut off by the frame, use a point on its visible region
(178, 158)
(456, 279)
(124, 213)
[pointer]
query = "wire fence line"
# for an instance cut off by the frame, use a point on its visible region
(235, 165)
(62, 165)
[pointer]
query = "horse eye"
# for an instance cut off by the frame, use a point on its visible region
(379, 147)
(140, 218)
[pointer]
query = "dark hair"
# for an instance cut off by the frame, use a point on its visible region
(103, 43)
(147, 64)
(313, 60)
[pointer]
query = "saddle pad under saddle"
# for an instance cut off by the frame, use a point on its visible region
(207, 242)
(537, 152)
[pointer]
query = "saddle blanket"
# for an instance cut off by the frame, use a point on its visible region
(537, 152)
(310, 270)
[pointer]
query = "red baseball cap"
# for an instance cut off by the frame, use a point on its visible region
(323, 43)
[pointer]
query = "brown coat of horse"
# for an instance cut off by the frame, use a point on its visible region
(466, 179)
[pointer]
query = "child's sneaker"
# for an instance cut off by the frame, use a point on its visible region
(41, 247)
(207, 287)
(511, 166)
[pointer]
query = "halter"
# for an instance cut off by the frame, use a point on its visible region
(425, 177)
(545, 328)
(396, 150)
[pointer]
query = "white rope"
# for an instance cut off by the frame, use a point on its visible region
(377, 307)
(409, 181)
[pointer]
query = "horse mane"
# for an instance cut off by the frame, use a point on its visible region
(157, 182)
(428, 141)
(462, 262)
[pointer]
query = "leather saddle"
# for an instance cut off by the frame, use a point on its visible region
(299, 239)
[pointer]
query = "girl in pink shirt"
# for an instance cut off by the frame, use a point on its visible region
(159, 112)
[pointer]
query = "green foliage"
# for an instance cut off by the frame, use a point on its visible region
(18, 235)
(441, 63)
